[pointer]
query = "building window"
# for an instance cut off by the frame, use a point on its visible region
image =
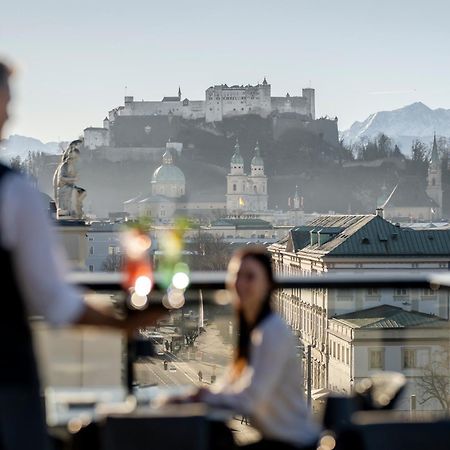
(347, 356)
(91, 268)
(428, 293)
(376, 359)
(234, 187)
(401, 292)
(113, 250)
(91, 250)
(373, 292)
(414, 358)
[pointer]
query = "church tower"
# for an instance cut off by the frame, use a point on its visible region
(236, 183)
(434, 187)
(258, 182)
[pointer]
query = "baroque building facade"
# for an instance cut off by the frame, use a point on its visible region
(246, 192)
(354, 244)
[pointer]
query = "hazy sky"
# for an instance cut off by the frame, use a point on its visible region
(74, 58)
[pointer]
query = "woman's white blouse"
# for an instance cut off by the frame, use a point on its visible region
(270, 389)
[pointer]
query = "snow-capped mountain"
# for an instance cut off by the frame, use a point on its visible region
(17, 145)
(415, 121)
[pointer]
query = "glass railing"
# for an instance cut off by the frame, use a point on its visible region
(348, 330)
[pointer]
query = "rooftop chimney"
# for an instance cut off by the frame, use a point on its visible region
(380, 212)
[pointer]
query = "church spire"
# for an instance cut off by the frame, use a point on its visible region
(179, 93)
(237, 159)
(434, 153)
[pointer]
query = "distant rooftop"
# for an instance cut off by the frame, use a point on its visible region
(387, 316)
(365, 236)
(244, 223)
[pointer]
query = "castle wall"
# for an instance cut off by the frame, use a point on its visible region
(118, 154)
(298, 105)
(96, 137)
(224, 101)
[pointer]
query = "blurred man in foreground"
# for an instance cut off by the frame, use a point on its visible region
(33, 283)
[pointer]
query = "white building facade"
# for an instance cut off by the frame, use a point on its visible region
(354, 245)
(246, 193)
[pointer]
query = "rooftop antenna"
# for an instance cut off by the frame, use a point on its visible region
(126, 90)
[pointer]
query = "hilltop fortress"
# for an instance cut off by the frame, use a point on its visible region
(221, 102)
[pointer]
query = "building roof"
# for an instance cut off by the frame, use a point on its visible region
(171, 99)
(387, 316)
(242, 224)
(365, 236)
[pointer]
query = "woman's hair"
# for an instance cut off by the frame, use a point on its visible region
(5, 72)
(242, 350)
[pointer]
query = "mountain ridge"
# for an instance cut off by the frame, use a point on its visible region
(402, 125)
(18, 145)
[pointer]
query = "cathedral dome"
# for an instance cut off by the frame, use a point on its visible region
(168, 174)
(168, 180)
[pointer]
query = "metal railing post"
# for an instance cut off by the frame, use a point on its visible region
(308, 374)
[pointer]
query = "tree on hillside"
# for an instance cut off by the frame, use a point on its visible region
(377, 148)
(418, 165)
(345, 152)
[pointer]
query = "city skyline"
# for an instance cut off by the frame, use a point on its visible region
(359, 60)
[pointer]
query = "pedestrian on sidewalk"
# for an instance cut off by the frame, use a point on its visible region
(200, 376)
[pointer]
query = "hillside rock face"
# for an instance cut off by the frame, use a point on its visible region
(415, 121)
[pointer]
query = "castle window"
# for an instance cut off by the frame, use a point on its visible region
(234, 187)
(254, 188)
(433, 182)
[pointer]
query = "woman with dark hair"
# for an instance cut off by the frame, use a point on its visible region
(264, 381)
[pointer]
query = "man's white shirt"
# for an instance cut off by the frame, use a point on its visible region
(39, 263)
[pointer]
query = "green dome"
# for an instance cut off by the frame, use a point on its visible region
(168, 174)
(257, 160)
(237, 159)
